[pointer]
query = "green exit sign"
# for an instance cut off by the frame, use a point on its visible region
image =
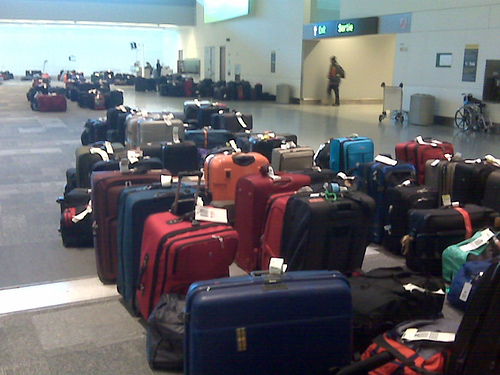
(321, 29)
(344, 28)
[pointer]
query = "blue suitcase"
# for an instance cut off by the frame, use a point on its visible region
(375, 178)
(135, 205)
(347, 152)
(295, 323)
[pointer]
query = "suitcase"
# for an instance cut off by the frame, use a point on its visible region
(482, 245)
(222, 172)
(400, 200)
(295, 323)
(94, 130)
(88, 156)
(209, 138)
(49, 103)
(419, 150)
(132, 125)
(377, 177)
(319, 176)
(113, 98)
(476, 350)
(292, 159)
(266, 142)
(106, 188)
(252, 192)
(180, 157)
(432, 230)
(469, 181)
(191, 108)
(113, 115)
(439, 175)
(142, 163)
(177, 251)
(492, 191)
(271, 237)
(347, 152)
(327, 232)
(134, 206)
(382, 299)
(205, 112)
(75, 224)
(165, 129)
(235, 122)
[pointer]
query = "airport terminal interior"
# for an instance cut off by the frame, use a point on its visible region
(55, 315)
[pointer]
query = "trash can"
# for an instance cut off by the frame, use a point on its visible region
(283, 93)
(422, 109)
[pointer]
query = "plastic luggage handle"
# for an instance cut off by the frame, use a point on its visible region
(177, 200)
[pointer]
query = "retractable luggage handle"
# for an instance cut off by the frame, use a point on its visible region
(177, 199)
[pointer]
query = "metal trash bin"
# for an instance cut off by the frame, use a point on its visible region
(283, 93)
(422, 109)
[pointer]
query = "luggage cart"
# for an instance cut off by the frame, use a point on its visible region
(393, 102)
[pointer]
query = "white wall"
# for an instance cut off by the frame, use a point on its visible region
(26, 47)
(273, 25)
(176, 12)
(367, 60)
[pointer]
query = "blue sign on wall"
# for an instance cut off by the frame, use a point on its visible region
(330, 29)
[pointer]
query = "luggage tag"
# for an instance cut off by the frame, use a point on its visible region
(411, 287)
(133, 155)
(464, 294)
(212, 214)
(104, 155)
(492, 160)
(413, 334)
(385, 160)
(478, 242)
(277, 266)
(239, 118)
(88, 210)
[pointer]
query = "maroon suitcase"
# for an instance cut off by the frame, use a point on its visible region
(50, 103)
(177, 251)
(106, 188)
(419, 150)
(252, 192)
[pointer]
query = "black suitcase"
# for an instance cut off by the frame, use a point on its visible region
(433, 230)
(476, 349)
(180, 157)
(75, 223)
(469, 181)
(326, 232)
(266, 142)
(400, 200)
(491, 196)
(235, 122)
(94, 130)
(205, 112)
(113, 98)
(209, 138)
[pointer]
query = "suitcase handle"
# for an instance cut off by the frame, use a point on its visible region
(177, 199)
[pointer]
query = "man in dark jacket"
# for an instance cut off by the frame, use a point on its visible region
(335, 73)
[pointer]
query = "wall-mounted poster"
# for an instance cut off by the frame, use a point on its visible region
(470, 63)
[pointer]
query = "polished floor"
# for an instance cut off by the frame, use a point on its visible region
(55, 317)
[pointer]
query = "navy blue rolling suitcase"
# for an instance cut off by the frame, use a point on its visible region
(294, 323)
(135, 204)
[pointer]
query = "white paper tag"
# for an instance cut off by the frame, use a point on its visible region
(166, 181)
(277, 266)
(446, 198)
(411, 287)
(413, 334)
(464, 294)
(385, 160)
(478, 242)
(207, 213)
(109, 147)
(435, 162)
(133, 155)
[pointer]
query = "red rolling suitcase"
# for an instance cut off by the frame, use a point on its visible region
(177, 251)
(49, 103)
(106, 189)
(222, 172)
(419, 150)
(252, 192)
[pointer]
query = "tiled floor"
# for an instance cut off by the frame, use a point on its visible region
(37, 148)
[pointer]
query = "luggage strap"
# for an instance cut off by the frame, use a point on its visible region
(408, 362)
(467, 222)
(206, 137)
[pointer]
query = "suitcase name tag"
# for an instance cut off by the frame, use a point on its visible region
(478, 242)
(413, 334)
(213, 214)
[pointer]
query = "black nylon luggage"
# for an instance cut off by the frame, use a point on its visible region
(326, 231)
(75, 224)
(431, 231)
(234, 122)
(469, 181)
(266, 142)
(476, 349)
(492, 191)
(180, 157)
(400, 200)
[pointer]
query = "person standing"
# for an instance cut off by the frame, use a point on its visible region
(158, 68)
(335, 73)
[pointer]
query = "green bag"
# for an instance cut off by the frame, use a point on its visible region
(454, 256)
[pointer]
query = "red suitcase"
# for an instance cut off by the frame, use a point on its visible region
(50, 103)
(223, 171)
(419, 150)
(106, 188)
(252, 192)
(177, 251)
(271, 239)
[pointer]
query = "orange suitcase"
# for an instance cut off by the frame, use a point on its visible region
(222, 171)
